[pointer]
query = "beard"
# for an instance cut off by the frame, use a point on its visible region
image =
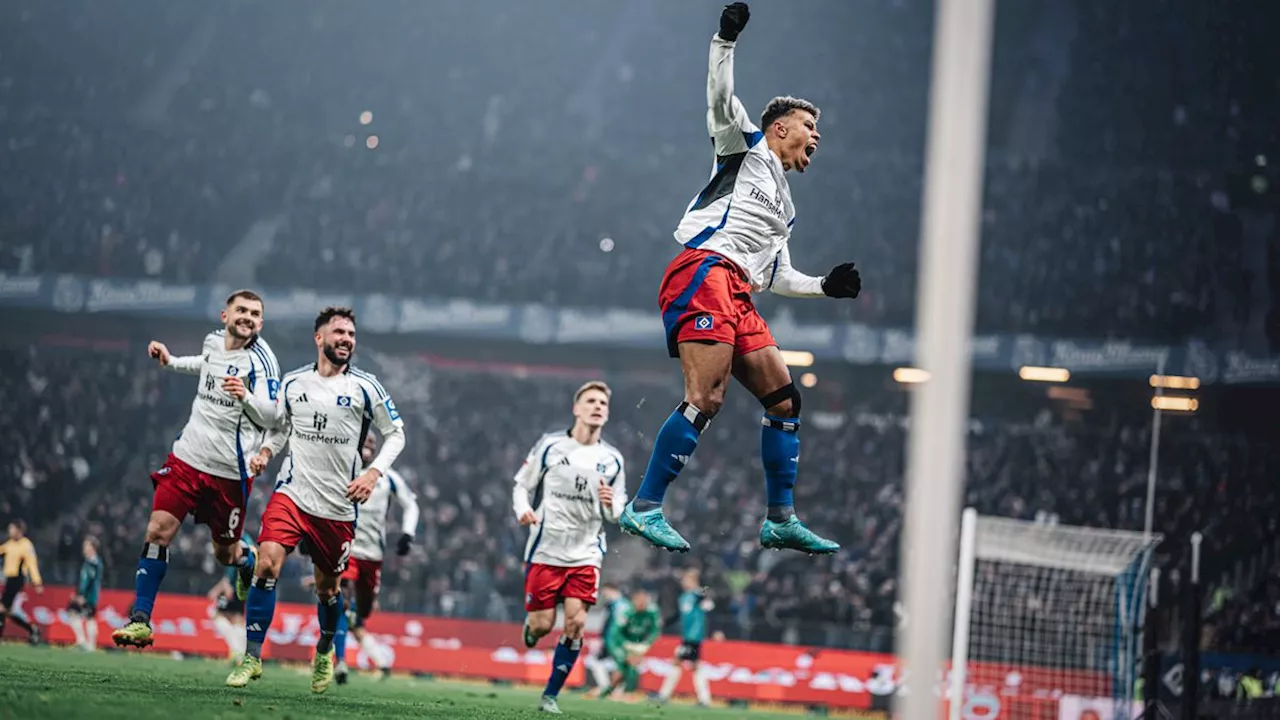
(331, 352)
(241, 331)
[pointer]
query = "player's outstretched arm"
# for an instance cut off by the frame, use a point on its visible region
(842, 282)
(185, 364)
(727, 119)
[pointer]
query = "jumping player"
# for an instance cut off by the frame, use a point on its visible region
(207, 473)
(570, 483)
(82, 608)
(693, 605)
(364, 570)
(328, 409)
(735, 235)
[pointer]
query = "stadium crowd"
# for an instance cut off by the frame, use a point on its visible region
(160, 173)
(471, 426)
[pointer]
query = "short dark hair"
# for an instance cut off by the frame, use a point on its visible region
(20, 524)
(332, 312)
(247, 295)
(782, 106)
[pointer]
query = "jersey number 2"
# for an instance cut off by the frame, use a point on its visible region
(342, 561)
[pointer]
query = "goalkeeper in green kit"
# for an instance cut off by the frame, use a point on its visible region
(636, 625)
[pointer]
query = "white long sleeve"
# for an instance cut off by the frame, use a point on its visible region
(790, 282)
(276, 439)
(727, 119)
(409, 505)
(185, 364)
(393, 441)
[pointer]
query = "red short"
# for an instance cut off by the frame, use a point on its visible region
(329, 540)
(705, 297)
(219, 503)
(546, 585)
(365, 576)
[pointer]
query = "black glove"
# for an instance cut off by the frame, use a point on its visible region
(733, 19)
(402, 547)
(842, 282)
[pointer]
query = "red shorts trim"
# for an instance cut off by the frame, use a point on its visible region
(365, 576)
(219, 503)
(328, 540)
(704, 297)
(546, 585)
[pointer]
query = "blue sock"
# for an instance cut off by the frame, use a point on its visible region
(561, 663)
(146, 581)
(340, 639)
(259, 609)
(780, 454)
(673, 447)
(330, 614)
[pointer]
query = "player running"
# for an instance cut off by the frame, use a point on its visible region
(20, 564)
(328, 409)
(364, 570)
(206, 474)
(735, 235)
(82, 608)
(694, 606)
(570, 483)
(636, 627)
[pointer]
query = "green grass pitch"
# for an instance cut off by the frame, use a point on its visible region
(63, 683)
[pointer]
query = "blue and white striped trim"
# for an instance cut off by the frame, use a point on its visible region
(371, 379)
(267, 359)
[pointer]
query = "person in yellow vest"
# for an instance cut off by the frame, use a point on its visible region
(19, 565)
(1250, 686)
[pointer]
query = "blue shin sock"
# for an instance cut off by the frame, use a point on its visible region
(330, 613)
(146, 581)
(340, 640)
(780, 454)
(561, 663)
(672, 449)
(259, 609)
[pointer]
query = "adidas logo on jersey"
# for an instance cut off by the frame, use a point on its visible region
(564, 460)
(302, 398)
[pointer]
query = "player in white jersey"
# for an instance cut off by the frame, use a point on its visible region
(363, 576)
(328, 409)
(735, 234)
(207, 474)
(569, 485)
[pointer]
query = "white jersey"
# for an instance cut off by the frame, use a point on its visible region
(326, 420)
(223, 432)
(560, 481)
(745, 212)
(371, 531)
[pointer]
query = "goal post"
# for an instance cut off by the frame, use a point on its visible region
(1047, 616)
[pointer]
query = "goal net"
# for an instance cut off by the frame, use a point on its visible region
(1048, 620)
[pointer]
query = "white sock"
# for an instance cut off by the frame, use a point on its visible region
(701, 687)
(226, 630)
(374, 651)
(599, 672)
(669, 685)
(91, 632)
(240, 641)
(77, 627)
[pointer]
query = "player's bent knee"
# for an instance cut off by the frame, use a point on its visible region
(708, 401)
(225, 554)
(161, 528)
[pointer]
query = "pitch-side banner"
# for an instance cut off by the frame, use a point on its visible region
(755, 672)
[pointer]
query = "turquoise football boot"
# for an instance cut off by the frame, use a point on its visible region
(793, 535)
(652, 526)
